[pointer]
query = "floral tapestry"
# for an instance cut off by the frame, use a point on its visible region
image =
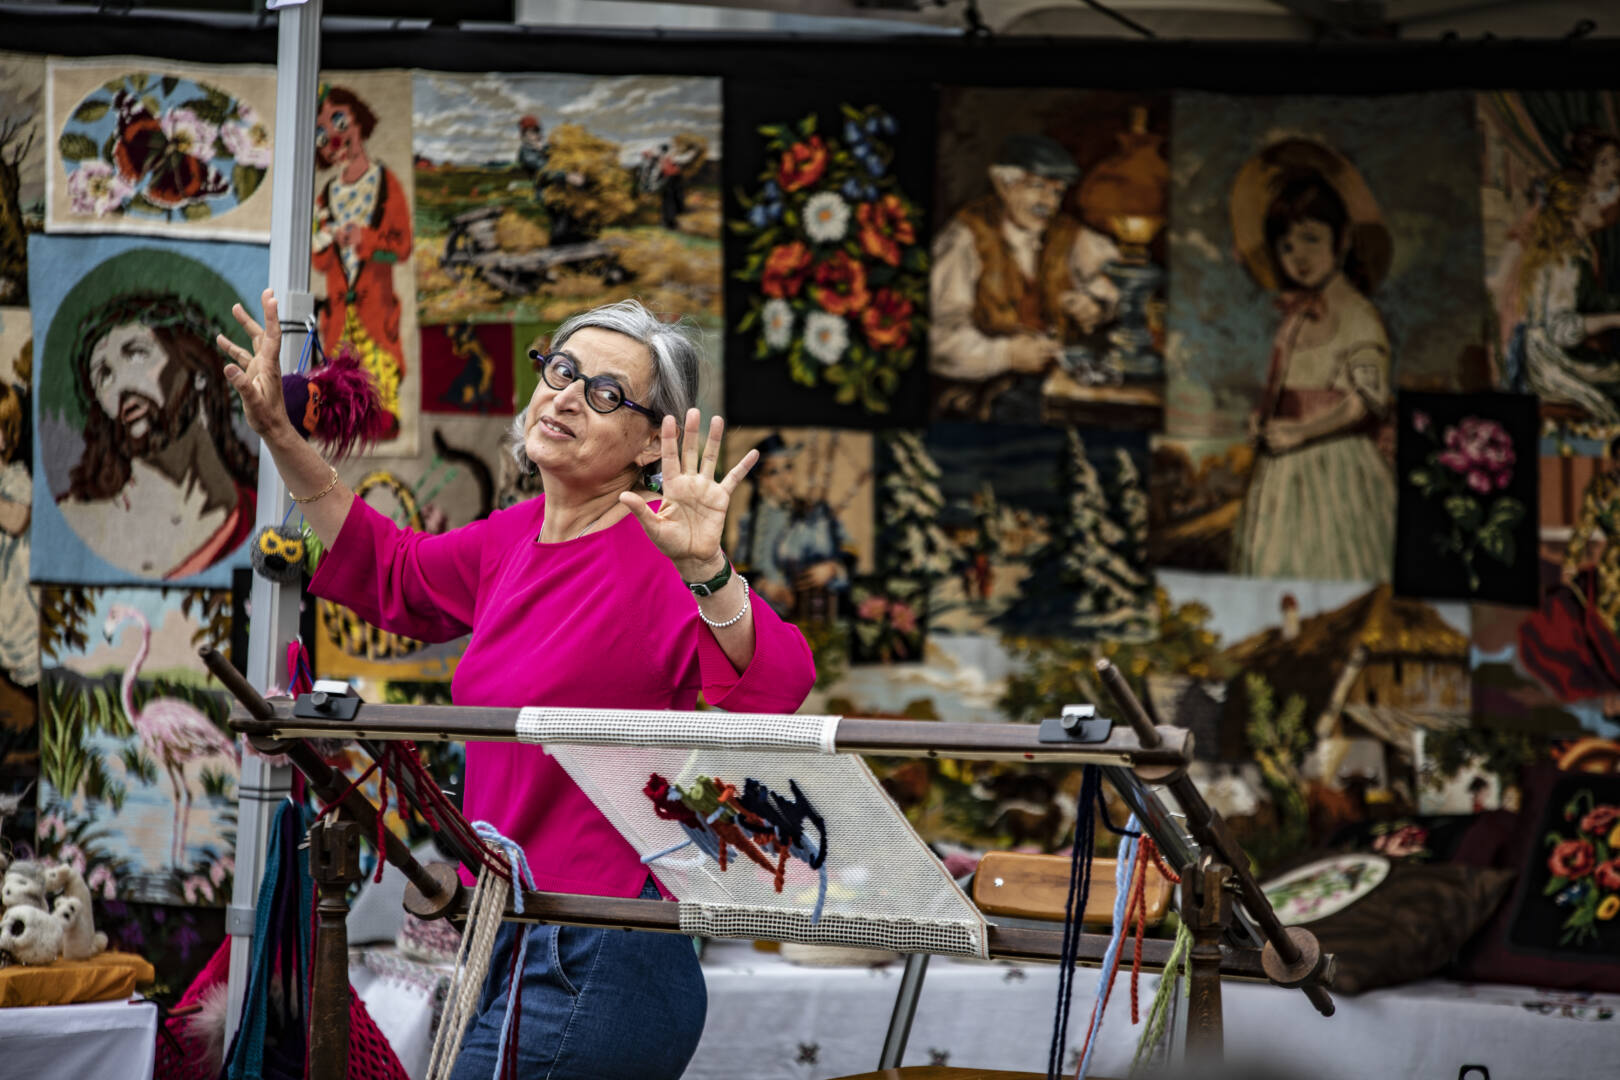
(1571, 895)
(148, 146)
(1467, 470)
(826, 256)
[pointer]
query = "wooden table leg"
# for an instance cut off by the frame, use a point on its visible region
(1208, 911)
(334, 863)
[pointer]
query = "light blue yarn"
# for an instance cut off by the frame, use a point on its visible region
(1124, 861)
(521, 878)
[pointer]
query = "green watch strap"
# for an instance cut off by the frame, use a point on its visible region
(714, 584)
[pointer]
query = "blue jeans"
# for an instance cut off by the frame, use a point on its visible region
(596, 1005)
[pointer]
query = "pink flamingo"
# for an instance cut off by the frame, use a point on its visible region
(170, 730)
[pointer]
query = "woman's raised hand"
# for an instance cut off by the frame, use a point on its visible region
(689, 524)
(256, 375)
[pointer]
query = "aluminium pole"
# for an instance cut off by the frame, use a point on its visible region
(275, 608)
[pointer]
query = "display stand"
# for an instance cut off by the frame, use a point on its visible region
(1135, 756)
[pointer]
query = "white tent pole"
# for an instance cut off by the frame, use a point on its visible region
(274, 614)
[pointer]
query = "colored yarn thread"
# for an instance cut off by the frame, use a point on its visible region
(1139, 908)
(1159, 1007)
(1124, 873)
(522, 878)
(1074, 909)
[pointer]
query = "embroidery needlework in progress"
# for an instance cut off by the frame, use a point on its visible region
(758, 822)
(664, 788)
(151, 147)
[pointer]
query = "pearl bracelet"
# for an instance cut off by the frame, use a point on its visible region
(735, 619)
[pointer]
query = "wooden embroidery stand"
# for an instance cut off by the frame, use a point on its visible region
(1244, 940)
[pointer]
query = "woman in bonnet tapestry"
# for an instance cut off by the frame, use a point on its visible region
(1321, 497)
(362, 231)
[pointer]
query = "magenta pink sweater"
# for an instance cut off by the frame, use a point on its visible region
(602, 622)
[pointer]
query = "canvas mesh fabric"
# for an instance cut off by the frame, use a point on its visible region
(714, 729)
(885, 889)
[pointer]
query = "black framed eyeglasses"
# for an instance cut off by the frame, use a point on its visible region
(602, 392)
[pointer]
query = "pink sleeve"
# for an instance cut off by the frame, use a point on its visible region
(403, 581)
(777, 679)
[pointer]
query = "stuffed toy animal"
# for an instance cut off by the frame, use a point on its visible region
(23, 886)
(80, 941)
(80, 938)
(29, 936)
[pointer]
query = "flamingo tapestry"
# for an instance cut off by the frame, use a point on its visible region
(137, 769)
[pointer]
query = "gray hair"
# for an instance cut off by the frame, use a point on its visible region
(677, 359)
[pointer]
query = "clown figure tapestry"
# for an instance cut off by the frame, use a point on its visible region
(1551, 203)
(138, 771)
(1299, 222)
(22, 168)
(827, 254)
(539, 196)
(361, 268)
(150, 146)
(148, 472)
(1047, 286)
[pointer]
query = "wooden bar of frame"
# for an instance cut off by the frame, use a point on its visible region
(900, 738)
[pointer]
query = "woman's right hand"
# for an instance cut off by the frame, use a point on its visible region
(256, 375)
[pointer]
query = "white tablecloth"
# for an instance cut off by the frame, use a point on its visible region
(769, 1019)
(107, 1040)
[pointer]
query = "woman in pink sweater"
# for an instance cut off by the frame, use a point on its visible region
(591, 597)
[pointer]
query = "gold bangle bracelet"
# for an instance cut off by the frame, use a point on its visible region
(330, 484)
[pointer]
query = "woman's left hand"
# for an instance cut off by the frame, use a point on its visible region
(689, 524)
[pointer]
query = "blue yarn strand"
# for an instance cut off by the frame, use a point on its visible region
(1124, 863)
(521, 878)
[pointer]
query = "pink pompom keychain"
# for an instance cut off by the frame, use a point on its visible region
(336, 404)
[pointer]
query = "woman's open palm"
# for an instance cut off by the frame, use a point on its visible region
(256, 375)
(689, 524)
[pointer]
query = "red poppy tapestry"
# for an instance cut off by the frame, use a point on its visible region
(1572, 887)
(827, 256)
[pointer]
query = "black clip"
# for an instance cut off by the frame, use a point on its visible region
(1079, 723)
(321, 705)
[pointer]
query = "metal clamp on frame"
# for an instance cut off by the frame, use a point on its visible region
(329, 700)
(1079, 723)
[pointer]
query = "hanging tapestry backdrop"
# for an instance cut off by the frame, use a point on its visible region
(22, 165)
(468, 368)
(19, 609)
(539, 196)
(1556, 670)
(1311, 270)
(826, 243)
(461, 475)
(801, 525)
(138, 771)
(1550, 197)
(1046, 301)
(1467, 472)
(148, 471)
(361, 267)
(149, 146)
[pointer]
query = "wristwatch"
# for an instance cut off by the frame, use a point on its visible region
(714, 584)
